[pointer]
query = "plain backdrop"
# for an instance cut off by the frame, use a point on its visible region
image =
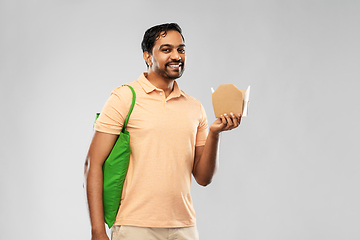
(290, 171)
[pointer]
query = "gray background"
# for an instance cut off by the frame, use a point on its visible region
(290, 171)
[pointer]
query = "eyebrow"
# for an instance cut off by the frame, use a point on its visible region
(169, 45)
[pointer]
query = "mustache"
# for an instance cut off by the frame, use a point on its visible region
(179, 61)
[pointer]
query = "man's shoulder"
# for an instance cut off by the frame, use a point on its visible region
(124, 90)
(190, 98)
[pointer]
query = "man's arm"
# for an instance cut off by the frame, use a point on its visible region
(100, 148)
(206, 161)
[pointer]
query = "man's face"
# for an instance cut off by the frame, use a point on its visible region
(168, 55)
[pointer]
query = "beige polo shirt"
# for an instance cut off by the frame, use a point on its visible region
(163, 135)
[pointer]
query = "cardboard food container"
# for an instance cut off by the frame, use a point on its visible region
(228, 98)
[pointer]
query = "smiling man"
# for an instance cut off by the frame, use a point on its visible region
(167, 57)
(169, 143)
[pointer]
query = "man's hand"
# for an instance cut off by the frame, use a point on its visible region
(206, 162)
(225, 122)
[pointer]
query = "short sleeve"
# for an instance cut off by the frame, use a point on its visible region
(113, 114)
(202, 130)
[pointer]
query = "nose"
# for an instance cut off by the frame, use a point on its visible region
(175, 55)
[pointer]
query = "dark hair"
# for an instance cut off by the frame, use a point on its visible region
(153, 34)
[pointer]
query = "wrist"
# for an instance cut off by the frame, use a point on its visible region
(214, 134)
(98, 231)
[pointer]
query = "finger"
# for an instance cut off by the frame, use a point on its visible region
(240, 116)
(234, 120)
(230, 123)
(223, 120)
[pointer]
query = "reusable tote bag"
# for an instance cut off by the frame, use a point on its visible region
(115, 168)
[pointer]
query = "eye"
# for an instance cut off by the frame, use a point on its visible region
(181, 50)
(165, 50)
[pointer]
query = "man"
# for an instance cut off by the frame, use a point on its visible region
(169, 142)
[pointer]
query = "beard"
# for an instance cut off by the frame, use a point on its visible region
(168, 73)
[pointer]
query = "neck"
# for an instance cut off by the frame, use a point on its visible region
(166, 84)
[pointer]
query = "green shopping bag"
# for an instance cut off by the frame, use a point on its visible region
(114, 170)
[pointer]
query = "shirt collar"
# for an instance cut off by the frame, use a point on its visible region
(149, 87)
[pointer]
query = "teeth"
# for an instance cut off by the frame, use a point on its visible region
(174, 65)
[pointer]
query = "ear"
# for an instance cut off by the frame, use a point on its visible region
(148, 58)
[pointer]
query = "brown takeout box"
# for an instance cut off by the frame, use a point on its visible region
(226, 99)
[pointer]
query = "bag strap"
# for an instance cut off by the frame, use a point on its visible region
(131, 107)
(130, 110)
